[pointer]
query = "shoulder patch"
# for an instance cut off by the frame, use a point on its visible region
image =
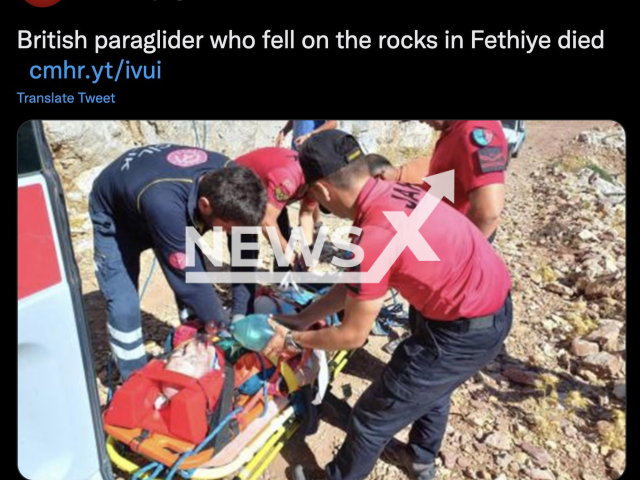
(283, 191)
(187, 157)
(178, 260)
(481, 136)
(492, 159)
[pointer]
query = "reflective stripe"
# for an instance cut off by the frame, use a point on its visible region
(122, 354)
(125, 337)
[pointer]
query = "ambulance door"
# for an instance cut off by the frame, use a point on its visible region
(59, 426)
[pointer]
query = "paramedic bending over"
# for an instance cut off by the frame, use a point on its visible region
(145, 199)
(462, 311)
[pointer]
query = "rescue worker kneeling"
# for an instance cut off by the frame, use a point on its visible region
(462, 311)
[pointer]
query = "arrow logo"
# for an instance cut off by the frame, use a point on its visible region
(408, 228)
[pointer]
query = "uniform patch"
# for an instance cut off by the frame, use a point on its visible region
(283, 191)
(187, 157)
(482, 137)
(492, 159)
(178, 260)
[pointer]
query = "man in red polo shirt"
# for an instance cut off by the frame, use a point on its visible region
(477, 150)
(280, 172)
(461, 304)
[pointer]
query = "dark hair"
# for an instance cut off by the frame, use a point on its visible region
(236, 194)
(377, 164)
(345, 177)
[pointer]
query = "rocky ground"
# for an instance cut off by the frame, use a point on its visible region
(552, 405)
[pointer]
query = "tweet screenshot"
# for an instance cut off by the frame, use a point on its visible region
(211, 287)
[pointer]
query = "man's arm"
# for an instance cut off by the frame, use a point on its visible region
(331, 302)
(343, 294)
(271, 220)
(352, 332)
(306, 219)
(166, 221)
(486, 206)
(283, 133)
(482, 174)
(414, 171)
(328, 125)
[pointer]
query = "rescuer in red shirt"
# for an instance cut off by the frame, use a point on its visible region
(280, 172)
(459, 293)
(477, 151)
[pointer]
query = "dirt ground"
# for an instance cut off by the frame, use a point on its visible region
(491, 403)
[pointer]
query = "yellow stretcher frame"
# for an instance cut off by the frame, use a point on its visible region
(257, 455)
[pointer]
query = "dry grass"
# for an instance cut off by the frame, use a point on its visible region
(581, 324)
(613, 435)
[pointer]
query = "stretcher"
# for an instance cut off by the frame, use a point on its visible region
(266, 423)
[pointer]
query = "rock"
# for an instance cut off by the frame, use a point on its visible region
(588, 476)
(617, 460)
(449, 458)
(503, 459)
(607, 335)
(582, 348)
(493, 367)
(588, 375)
(499, 441)
(514, 467)
(522, 377)
(570, 431)
(539, 456)
(620, 390)
(586, 235)
(521, 458)
(559, 289)
(469, 473)
(603, 363)
(463, 462)
(539, 474)
(502, 476)
(616, 474)
(81, 145)
(610, 264)
(84, 181)
(477, 417)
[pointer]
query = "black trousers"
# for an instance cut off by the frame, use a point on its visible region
(415, 388)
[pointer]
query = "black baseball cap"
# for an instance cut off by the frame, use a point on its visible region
(327, 152)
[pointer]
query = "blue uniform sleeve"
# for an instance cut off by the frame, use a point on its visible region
(166, 219)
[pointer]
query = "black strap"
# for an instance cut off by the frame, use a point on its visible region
(223, 407)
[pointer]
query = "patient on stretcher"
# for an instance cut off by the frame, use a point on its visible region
(194, 359)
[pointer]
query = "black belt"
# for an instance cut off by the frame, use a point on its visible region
(463, 324)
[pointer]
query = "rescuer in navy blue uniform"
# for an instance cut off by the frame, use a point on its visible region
(146, 199)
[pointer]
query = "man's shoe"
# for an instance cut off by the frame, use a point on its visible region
(397, 453)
